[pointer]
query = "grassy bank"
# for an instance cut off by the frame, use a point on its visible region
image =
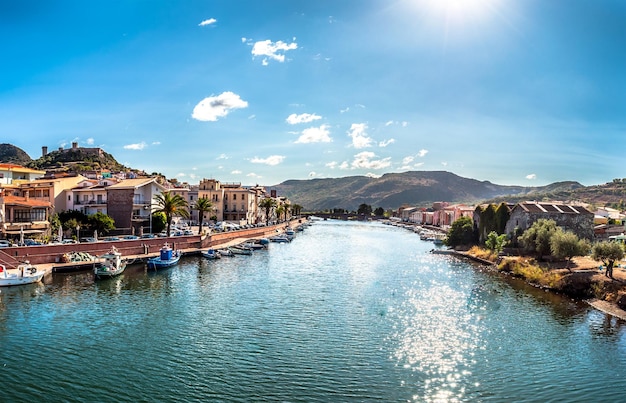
(582, 281)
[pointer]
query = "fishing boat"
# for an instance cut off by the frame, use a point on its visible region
(211, 254)
(112, 264)
(167, 257)
(25, 273)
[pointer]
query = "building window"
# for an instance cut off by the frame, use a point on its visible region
(235, 197)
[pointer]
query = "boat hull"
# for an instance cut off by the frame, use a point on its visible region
(20, 276)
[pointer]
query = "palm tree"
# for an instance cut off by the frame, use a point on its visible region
(267, 204)
(287, 209)
(279, 211)
(297, 209)
(203, 205)
(171, 205)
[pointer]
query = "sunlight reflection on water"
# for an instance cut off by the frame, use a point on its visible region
(438, 332)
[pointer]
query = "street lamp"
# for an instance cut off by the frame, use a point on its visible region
(146, 208)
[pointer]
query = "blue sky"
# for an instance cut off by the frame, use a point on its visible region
(514, 92)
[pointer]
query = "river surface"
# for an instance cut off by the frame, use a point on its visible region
(347, 312)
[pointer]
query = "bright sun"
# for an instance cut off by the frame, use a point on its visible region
(457, 11)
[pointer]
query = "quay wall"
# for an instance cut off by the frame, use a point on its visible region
(46, 254)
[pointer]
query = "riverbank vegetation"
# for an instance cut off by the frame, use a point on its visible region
(548, 257)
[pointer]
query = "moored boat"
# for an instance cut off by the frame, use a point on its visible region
(211, 254)
(167, 257)
(25, 273)
(226, 252)
(240, 250)
(111, 266)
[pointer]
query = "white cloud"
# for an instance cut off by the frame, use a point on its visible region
(405, 124)
(344, 110)
(315, 135)
(422, 153)
(156, 143)
(181, 175)
(294, 119)
(222, 157)
(385, 143)
(136, 146)
(331, 165)
(389, 123)
(214, 107)
(235, 172)
(244, 39)
(531, 177)
(253, 175)
(210, 21)
(444, 163)
(312, 174)
(372, 175)
(365, 160)
(344, 165)
(272, 50)
(90, 141)
(407, 160)
(271, 160)
(251, 117)
(359, 136)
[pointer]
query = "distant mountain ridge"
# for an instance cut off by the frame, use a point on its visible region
(414, 188)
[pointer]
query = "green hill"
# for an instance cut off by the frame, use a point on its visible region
(10, 154)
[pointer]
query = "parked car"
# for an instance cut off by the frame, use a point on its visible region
(111, 238)
(187, 232)
(88, 239)
(69, 241)
(145, 236)
(31, 242)
(130, 237)
(5, 243)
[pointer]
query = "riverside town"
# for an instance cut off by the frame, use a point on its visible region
(66, 213)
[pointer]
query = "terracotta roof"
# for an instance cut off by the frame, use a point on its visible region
(24, 202)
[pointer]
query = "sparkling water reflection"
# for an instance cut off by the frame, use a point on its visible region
(346, 312)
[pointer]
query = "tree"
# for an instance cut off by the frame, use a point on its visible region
(461, 233)
(502, 217)
(159, 222)
(537, 237)
(203, 205)
(101, 222)
(566, 245)
(379, 211)
(608, 252)
(267, 204)
(279, 211)
(296, 209)
(495, 242)
(364, 209)
(487, 222)
(171, 205)
(286, 210)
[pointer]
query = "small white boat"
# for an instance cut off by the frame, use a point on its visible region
(226, 252)
(25, 273)
(211, 254)
(112, 265)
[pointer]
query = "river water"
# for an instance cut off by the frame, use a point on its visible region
(347, 312)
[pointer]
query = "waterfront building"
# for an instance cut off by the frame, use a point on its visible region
(89, 196)
(13, 172)
(130, 202)
(22, 215)
(570, 217)
(231, 201)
